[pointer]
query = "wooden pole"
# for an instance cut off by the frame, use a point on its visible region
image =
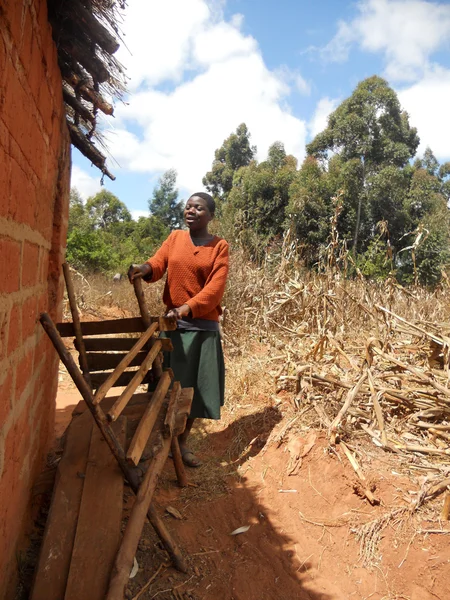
(125, 397)
(145, 315)
(124, 559)
(146, 424)
(76, 324)
(178, 462)
(129, 473)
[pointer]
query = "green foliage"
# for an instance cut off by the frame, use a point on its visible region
(164, 203)
(376, 262)
(371, 142)
(259, 197)
(369, 126)
(104, 209)
(234, 153)
(309, 208)
(102, 236)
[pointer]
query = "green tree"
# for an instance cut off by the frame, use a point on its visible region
(308, 209)
(164, 203)
(235, 152)
(371, 129)
(427, 244)
(105, 208)
(257, 202)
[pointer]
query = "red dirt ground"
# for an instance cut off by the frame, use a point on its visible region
(300, 543)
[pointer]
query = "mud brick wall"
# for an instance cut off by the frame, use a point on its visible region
(34, 198)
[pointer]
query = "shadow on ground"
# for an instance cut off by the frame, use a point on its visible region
(264, 562)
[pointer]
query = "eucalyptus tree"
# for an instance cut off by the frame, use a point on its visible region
(369, 132)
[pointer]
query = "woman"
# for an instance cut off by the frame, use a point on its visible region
(197, 267)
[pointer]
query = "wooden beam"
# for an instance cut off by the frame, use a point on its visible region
(118, 344)
(125, 362)
(135, 524)
(178, 462)
(98, 362)
(55, 554)
(99, 378)
(76, 323)
(134, 383)
(139, 293)
(131, 325)
(172, 406)
(117, 450)
(148, 420)
(99, 521)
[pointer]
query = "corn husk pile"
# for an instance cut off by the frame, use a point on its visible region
(371, 360)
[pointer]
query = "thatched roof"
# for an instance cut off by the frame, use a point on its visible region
(86, 34)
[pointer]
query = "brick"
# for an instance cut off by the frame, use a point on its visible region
(43, 348)
(26, 41)
(15, 328)
(43, 273)
(36, 72)
(22, 199)
(10, 260)
(16, 107)
(5, 182)
(29, 317)
(23, 374)
(6, 396)
(45, 104)
(13, 17)
(30, 264)
(4, 57)
(4, 321)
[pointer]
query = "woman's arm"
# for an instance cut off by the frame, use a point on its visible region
(211, 294)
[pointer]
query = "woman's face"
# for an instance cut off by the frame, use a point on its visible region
(197, 214)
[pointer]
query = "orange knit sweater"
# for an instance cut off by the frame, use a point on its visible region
(196, 275)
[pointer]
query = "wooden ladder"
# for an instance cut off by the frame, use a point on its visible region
(104, 362)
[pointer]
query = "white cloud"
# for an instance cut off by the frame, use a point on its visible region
(85, 183)
(220, 81)
(139, 213)
(407, 32)
(319, 121)
(158, 35)
(427, 104)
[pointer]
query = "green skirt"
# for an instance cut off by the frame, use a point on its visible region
(197, 361)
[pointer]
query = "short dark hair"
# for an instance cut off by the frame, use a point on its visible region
(208, 199)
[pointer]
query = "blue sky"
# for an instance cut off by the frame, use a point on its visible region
(198, 68)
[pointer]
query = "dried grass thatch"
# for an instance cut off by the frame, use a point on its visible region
(86, 36)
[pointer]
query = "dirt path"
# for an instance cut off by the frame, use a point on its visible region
(301, 543)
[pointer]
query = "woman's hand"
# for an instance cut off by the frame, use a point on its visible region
(180, 312)
(138, 271)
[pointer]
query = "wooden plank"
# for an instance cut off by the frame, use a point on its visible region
(124, 363)
(131, 325)
(124, 560)
(171, 408)
(137, 284)
(105, 362)
(147, 422)
(183, 410)
(98, 378)
(54, 559)
(99, 524)
(118, 344)
(138, 399)
(139, 402)
(125, 396)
